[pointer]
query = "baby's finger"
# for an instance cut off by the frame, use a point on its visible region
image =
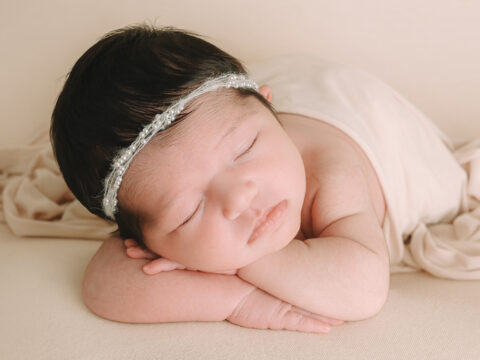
(329, 321)
(158, 265)
(139, 253)
(295, 321)
(130, 243)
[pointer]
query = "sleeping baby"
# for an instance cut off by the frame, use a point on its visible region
(279, 203)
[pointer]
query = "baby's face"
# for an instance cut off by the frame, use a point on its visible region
(226, 191)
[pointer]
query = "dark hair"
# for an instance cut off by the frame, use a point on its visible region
(114, 89)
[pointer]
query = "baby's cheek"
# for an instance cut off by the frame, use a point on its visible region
(215, 256)
(211, 254)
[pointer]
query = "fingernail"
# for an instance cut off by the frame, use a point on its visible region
(325, 329)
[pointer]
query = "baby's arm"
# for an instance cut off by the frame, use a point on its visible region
(343, 272)
(116, 288)
(333, 276)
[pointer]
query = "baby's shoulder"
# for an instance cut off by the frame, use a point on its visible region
(342, 186)
(340, 179)
(326, 150)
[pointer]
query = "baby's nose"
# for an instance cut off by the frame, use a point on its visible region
(238, 199)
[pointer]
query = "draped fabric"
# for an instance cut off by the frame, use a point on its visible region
(36, 201)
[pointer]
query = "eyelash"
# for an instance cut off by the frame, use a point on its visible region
(248, 149)
(194, 212)
(242, 154)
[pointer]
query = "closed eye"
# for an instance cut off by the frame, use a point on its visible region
(198, 206)
(191, 216)
(248, 149)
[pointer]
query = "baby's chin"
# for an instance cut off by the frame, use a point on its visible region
(280, 241)
(293, 231)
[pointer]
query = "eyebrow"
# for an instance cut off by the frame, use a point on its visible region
(230, 131)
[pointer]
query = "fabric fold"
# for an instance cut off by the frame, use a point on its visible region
(452, 250)
(35, 200)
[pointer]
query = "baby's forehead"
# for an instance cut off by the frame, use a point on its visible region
(218, 101)
(206, 119)
(207, 113)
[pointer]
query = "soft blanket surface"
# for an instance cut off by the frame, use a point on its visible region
(43, 318)
(35, 199)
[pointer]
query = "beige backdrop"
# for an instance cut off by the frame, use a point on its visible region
(428, 49)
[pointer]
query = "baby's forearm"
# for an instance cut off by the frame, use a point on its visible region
(335, 277)
(116, 288)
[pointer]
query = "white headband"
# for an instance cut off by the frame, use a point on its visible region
(124, 157)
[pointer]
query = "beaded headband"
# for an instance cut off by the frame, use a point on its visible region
(162, 121)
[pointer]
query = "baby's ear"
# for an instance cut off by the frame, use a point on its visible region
(266, 92)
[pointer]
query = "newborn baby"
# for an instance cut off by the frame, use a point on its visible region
(231, 209)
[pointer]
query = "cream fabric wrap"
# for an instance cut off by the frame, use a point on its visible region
(432, 192)
(433, 213)
(35, 199)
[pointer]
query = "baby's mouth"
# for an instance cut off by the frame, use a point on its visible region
(269, 220)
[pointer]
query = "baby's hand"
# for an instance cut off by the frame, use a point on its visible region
(157, 263)
(134, 251)
(260, 310)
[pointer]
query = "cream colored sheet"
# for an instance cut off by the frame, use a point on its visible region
(43, 318)
(36, 201)
(452, 250)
